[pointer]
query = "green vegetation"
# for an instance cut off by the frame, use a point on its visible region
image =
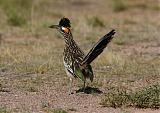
(95, 22)
(143, 98)
(59, 111)
(16, 19)
(3, 110)
(32, 89)
(44, 104)
(18, 12)
(119, 5)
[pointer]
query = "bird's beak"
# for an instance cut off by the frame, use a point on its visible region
(54, 26)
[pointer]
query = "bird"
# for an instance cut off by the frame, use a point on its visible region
(76, 63)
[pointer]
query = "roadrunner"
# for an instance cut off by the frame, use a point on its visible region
(77, 64)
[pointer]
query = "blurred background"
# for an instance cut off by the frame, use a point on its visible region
(123, 15)
(31, 53)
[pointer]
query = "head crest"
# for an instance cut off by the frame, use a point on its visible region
(65, 22)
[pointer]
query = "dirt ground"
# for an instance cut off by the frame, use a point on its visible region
(55, 97)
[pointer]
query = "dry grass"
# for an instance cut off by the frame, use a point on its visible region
(30, 52)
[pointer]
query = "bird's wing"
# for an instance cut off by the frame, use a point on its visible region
(98, 48)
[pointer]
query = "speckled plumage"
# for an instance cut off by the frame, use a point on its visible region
(76, 63)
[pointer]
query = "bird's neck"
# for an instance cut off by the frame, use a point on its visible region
(69, 41)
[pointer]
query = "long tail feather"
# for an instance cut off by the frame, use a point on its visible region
(98, 47)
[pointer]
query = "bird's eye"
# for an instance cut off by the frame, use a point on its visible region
(66, 30)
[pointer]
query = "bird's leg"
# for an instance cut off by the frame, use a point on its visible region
(70, 86)
(84, 85)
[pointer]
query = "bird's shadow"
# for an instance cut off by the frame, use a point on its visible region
(89, 90)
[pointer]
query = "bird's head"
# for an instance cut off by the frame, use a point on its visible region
(63, 27)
